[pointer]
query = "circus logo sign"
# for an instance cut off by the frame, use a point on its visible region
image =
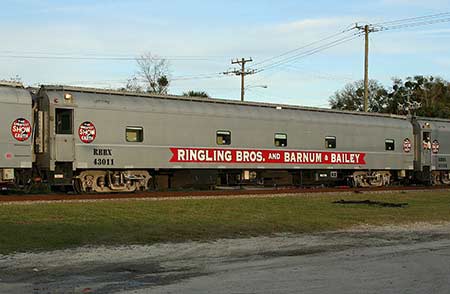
(21, 129)
(407, 145)
(87, 132)
(435, 146)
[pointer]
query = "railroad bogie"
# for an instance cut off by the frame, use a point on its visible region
(105, 181)
(366, 179)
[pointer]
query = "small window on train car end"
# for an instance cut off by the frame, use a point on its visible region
(280, 140)
(223, 137)
(63, 121)
(389, 145)
(330, 142)
(134, 134)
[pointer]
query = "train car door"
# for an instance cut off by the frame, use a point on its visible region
(426, 151)
(64, 137)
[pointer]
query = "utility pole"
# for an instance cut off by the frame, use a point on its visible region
(367, 29)
(242, 72)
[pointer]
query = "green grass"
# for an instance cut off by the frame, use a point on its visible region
(46, 226)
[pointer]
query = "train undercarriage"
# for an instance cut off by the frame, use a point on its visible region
(115, 181)
(214, 179)
(218, 179)
(100, 181)
(440, 178)
(366, 179)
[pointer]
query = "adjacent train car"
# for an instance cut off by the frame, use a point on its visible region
(118, 141)
(16, 156)
(432, 150)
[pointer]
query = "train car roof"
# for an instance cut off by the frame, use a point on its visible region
(432, 119)
(65, 88)
(13, 92)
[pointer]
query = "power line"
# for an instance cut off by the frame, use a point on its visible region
(175, 78)
(410, 25)
(101, 54)
(98, 58)
(302, 47)
(392, 25)
(318, 75)
(204, 77)
(383, 26)
(310, 52)
(411, 19)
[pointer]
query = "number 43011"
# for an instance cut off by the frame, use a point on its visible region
(104, 161)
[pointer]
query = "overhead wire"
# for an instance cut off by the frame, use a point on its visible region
(285, 58)
(96, 58)
(410, 19)
(200, 77)
(310, 52)
(317, 74)
(174, 78)
(410, 25)
(129, 55)
(382, 26)
(301, 47)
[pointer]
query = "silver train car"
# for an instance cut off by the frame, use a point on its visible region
(111, 141)
(432, 150)
(116, 141)
(16, 135)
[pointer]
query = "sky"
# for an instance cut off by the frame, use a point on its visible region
(200, 38)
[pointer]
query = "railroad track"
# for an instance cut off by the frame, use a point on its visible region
(204, 194)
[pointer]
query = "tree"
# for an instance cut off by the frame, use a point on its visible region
(133, 85)
(352, 97)
(419, 95)
(152, 75)
(16, 79)
(196, 94)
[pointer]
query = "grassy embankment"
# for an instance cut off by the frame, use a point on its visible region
(46, 226)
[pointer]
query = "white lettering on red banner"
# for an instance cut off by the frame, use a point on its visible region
(206, 155)
(21, 129)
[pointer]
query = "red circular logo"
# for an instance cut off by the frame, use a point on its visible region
(435, 146)
(407, 145)
(87, 132)
(21, 129)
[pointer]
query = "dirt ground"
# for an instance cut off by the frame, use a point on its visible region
(418, 254)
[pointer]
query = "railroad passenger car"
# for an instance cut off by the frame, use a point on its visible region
(16, 132)
(432, 150)
(119, 141)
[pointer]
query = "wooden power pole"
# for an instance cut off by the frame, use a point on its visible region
(367, 29)
(242, 72)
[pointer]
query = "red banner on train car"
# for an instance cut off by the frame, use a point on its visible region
(206, 155)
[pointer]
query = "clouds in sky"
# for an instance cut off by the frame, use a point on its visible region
(214, 32)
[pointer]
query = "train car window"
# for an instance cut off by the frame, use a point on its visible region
(135, 134)
(330, 142)
(389, 144)
(280, 140)
(223, 137)
(63, 121)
